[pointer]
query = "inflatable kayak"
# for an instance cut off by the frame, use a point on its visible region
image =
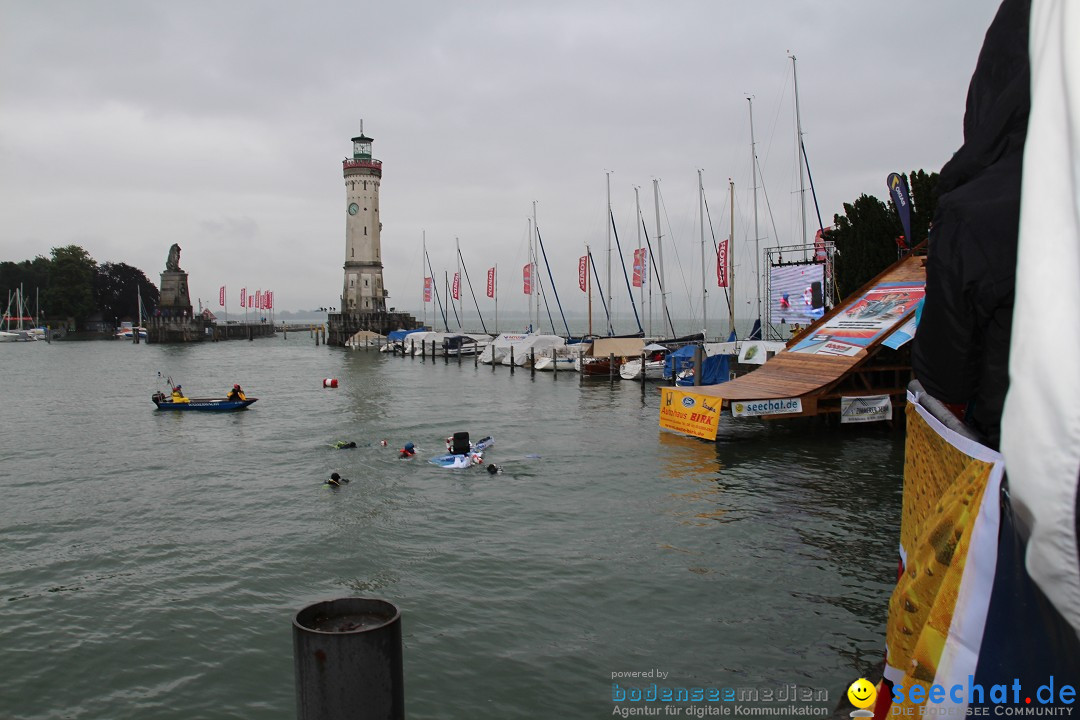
(463, 460)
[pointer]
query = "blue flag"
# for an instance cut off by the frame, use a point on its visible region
(901, 197)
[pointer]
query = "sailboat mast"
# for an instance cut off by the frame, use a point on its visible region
(423, 275)
(588, 283)
(644, 260)
(533, 229)
(757, 249)
(802, 160)
(704, 286)
(611, 307)
(731, 261)
(457, 282)
(660, 254)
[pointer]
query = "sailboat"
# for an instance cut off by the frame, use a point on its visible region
(18, 333)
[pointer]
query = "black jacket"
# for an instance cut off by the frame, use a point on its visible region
(961, 350)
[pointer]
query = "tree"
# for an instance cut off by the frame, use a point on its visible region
(117, 287)
(865, 237)
(866, 234)
(71, 284)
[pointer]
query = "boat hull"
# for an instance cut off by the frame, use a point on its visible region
(205, 405)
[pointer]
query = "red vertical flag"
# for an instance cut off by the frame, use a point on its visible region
(457, 286)
(270, 299)
(527, 277)
(721, 264)
(243, 297)
(221, 296)
(639, 267)
(491, 283)
(427, 289)
(583, 272)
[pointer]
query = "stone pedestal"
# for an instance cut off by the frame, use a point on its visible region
(174, 294)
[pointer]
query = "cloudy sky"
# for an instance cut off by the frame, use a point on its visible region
(221, 126)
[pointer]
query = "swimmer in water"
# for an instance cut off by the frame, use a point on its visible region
(336, 480)
(408, 451)
(494, 469)
(343, 445)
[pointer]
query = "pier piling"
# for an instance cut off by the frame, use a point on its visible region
(348, 660)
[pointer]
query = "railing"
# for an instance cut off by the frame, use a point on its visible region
(349, 163)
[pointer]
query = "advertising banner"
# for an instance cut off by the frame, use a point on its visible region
(873, 315)
(753, 353)
(457, 286)
(757, 408)
(526, 273)
(689, 413)
(221, 296)
(583, 272)
(721, 264)
(901, 197)
(491, 283)
(867, 408)
(427, 289)
(639, 267)
(243, 297)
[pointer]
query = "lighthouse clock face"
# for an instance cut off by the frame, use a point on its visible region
(353, 208)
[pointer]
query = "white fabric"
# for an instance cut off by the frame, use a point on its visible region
(1041, 420)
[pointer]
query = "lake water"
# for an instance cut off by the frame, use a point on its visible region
(152, 562)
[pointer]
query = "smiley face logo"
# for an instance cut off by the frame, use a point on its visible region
(862, 693)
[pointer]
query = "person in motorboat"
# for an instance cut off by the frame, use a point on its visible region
(236, 394)
(408, 451)
(336, 480)
(345, 444)
(178, 395)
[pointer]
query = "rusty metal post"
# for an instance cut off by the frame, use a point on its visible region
(348, 660)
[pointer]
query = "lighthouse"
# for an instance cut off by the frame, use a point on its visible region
(363, 290)
(363, 296)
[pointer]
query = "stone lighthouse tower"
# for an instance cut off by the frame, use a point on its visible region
(363, 290)
(363, 297)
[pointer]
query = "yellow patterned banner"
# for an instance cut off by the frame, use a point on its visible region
(936, 607)
(689, 413)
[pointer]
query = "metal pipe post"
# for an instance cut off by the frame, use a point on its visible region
(348, 660)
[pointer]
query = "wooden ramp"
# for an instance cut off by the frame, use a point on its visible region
(803, 380)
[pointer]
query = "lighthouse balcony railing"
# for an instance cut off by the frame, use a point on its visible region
(355, 163)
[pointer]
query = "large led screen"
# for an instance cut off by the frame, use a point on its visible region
(796, 293)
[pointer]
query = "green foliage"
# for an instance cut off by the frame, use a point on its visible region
(70, 284)
(865, 235)
(117, 287)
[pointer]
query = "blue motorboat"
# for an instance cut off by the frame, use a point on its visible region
(164, 402)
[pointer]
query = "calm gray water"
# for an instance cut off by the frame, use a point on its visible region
(151, 562)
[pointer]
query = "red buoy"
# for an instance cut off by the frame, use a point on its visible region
(329, 382)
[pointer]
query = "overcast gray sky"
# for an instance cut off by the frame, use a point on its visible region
(221, 126)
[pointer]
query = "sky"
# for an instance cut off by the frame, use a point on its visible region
(126, 127)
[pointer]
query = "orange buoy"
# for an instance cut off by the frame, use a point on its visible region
(329, 382)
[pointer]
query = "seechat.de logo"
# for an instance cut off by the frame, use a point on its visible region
(688, 402)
